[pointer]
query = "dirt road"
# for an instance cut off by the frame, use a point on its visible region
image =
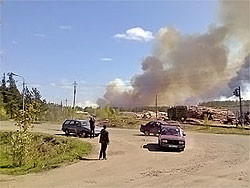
(135, 161)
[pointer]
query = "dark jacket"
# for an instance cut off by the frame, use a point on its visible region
(92, 123)
(104, 138)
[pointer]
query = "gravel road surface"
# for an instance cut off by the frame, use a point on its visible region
(135, 160)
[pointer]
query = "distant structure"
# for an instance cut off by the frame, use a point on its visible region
(74, 92)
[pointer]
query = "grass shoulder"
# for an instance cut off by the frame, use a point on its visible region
(216, 130)
(48, 152)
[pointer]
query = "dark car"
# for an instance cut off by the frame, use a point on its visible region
(79, 127)
(151, 127)
(172, 137)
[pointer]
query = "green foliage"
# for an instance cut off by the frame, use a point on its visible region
(21, 147)
(21, 140)
(232, 105)
(57, 113)
(11, 100)
(216, 130)
(13, 96)
(3, 113)
(34, 98)
(115, 119)
(90, 110)
(28, 116)
(106, 113)
(46, 152)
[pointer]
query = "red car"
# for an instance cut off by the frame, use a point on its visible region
(153, 127)
(172, 137)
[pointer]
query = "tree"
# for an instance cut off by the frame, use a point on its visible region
(3, 114)
(36, 95)
(21, 140)
(13, 97)
(28, 96)
(3, 89)
(90, 110)
(3, 99)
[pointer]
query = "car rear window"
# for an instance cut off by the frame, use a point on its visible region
(66, 122)
(84, 123)
(170, 131)
(72, 122)
(151, 123)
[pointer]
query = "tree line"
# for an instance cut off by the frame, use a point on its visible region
(11, 99)
(232, 105)
(11, 102)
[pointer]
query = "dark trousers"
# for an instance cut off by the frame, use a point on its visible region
(92, 132)
(103, 151)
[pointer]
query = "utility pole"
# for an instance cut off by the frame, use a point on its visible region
(241, 113)
(237, 93)
(61, 105)
(156, 105)
(74, 92)
(66, 102)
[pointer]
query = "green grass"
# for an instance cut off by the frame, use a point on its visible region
(51, 152)
(216, 130)
(128, 122)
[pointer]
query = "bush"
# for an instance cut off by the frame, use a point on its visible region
(3, 114)
(45, 152)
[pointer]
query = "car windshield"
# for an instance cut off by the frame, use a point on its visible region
(84, 123)
(170, 131)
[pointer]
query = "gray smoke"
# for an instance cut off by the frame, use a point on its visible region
(188, 68)
(235, 16)
(243, 75)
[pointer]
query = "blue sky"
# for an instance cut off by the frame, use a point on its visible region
(54, 43)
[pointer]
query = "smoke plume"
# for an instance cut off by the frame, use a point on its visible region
(243, 76)
(190, 68)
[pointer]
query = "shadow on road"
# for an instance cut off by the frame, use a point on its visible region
(144, 135)
(155, 147)
(73, 135)
(7, 166)
(62, 134)
(88, 159)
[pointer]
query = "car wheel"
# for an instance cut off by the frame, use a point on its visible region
(85, 135)
(67, 132)
(146, 133)
(81, 134)
(160, 147)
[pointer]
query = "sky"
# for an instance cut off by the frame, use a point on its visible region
(54, 43)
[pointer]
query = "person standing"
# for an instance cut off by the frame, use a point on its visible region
(92, 127)
(104, 140)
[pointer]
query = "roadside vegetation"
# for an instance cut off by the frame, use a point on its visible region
(216, 130)
(44, 152)
(11, 100)
(118, 120)
(23, 152)
(232, 105)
